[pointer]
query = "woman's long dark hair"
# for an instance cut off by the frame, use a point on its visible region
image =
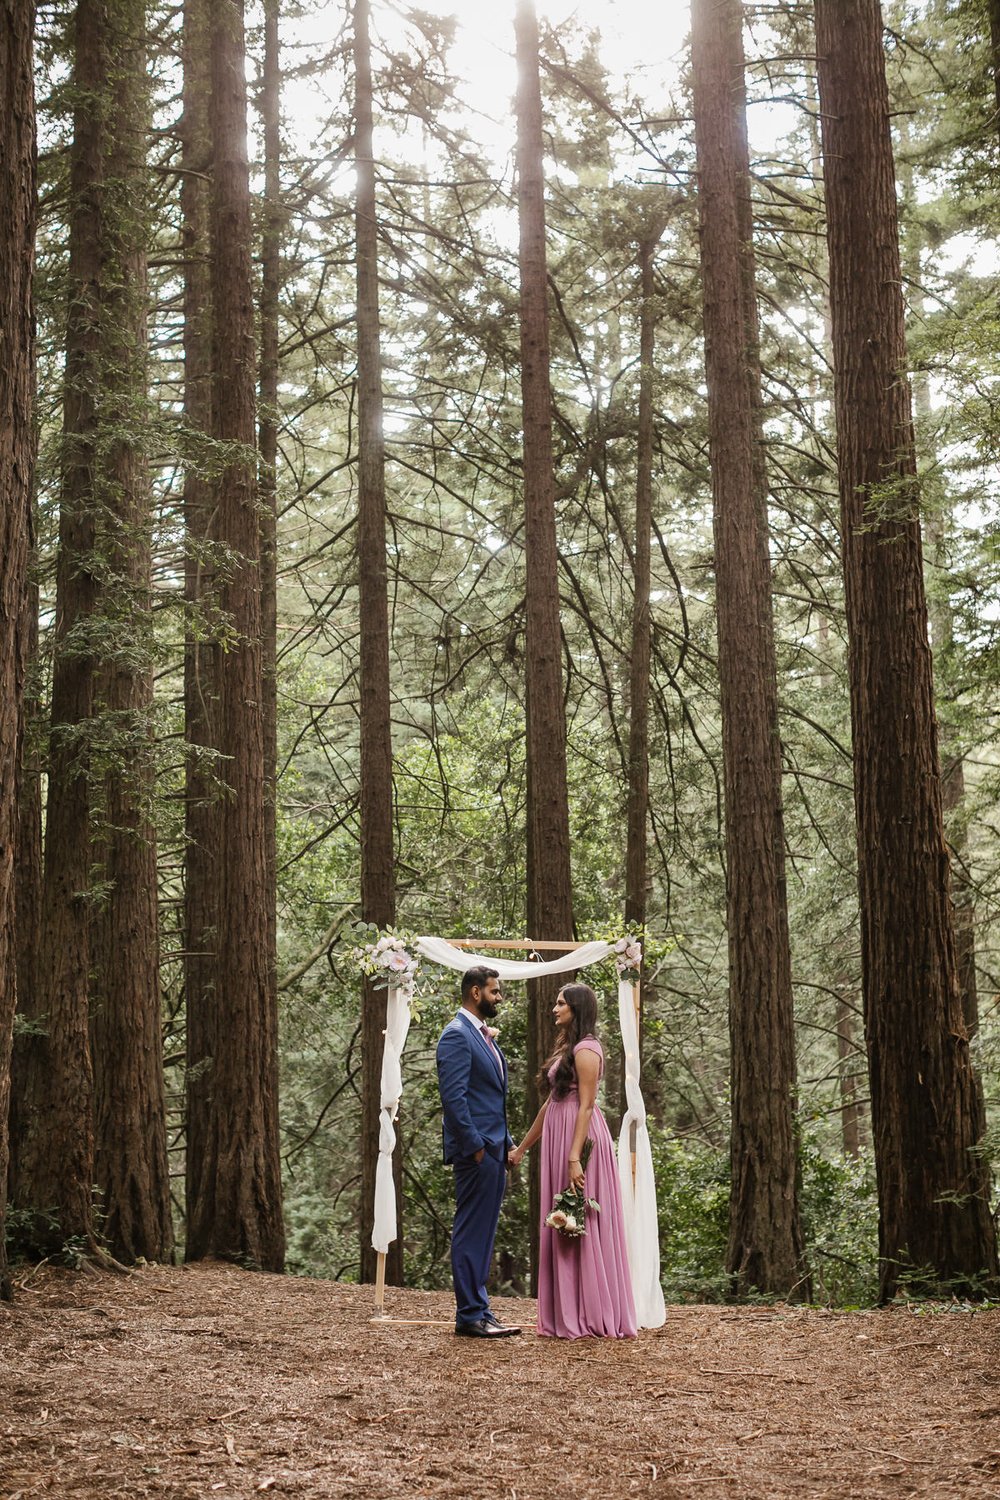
(583, 1003)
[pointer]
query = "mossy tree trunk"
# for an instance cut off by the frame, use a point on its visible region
(935, 1226)
(17, 462)
(766, 1247)
(550, 890)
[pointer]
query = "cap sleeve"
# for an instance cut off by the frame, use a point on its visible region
(590, 1044)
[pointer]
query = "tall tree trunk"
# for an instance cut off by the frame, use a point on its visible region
(201, 646)
(270, 107)
(17, 461)
(934, 1220)
(952, 759)
(766, 1245)
(550, 891)
(56, 1169)
(993, 7)
(236, 1212)
(637, 792)
(131, 1170)
(637, 809)
(28, 894)
(935, 509)
(378, 877)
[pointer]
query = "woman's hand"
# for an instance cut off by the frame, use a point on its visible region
(575, 1175)
(515, 1155)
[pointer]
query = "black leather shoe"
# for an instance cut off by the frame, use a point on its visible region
(488, 1317)
(484, 1330)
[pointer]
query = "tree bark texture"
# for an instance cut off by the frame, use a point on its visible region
(17, 461)
(28, 890)
(202, 802)
(993, 7)
(637, 790)
(236, 1210)
(934, 1220)
(637, 805)
(131, 1172)
(766, 1248)
(952, 765)
(550, 892)
(378, 880)
(270, 290)
(55, 1172)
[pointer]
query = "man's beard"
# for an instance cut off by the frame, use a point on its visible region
(488, 1008)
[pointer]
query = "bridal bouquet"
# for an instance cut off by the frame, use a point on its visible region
(569, 1208)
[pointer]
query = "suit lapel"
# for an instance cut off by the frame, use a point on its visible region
(495, 1056)
(488, 1052)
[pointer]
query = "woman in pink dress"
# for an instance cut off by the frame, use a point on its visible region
(584, 1286)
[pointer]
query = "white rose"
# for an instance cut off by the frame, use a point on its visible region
(556, 1219)
(621, 945)
(397, 962)
(570, 1222)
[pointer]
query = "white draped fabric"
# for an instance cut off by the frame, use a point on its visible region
(642, 1238)
(440, 951)
(638, 1198)
(396, 1026)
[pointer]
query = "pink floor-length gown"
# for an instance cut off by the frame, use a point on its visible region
(584, 1286)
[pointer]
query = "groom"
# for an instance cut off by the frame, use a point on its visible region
(472, 1079)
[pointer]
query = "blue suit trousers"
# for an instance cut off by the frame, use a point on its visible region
(479, 1190)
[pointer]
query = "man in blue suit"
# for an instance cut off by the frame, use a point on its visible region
(472, 1079)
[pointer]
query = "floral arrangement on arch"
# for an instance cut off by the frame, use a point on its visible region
(388, 960)
(628, 954)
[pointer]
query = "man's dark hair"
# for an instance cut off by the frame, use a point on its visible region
(477, 976)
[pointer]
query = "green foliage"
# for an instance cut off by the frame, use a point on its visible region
(840, 1222)
(692, 1188)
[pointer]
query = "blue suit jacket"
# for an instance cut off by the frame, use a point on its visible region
(473, 1093)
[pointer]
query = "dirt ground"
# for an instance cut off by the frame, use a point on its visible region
(211, 1381)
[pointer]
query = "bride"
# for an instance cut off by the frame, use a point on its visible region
(584, 1285)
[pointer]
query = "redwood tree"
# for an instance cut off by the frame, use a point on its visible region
(201, 645)
(55, 1169)
(235, 1212)
(934, 1219)
(765, 1250)
(378, 878)
(131, 1170)
(550, 893)
(270, 289)
(637, 804)
(17, 455)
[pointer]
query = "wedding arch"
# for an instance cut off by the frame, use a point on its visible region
(397, 961)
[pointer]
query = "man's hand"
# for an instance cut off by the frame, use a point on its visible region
(478, 1155)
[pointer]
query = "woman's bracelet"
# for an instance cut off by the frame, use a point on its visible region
(577, 1159)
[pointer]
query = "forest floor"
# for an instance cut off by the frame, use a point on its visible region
(211, 1381)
